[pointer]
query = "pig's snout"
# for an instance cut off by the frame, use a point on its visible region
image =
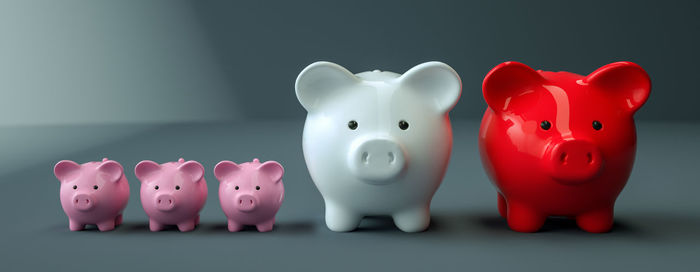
(575, 161)
(246, 202)
(165, 203)
(376, 161)
(83, 202)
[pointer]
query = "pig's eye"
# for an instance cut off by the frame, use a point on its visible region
(403, 125)
(257, 187)
(75, 187)
(546, 125)
(236, 188)
(597, 125)
(177, 187)
(352, 124)
(94, 187)
(156, 187)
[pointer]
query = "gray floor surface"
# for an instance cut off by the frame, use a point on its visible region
(657, 224)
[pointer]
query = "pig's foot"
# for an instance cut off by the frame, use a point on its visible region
(524, 219)
(74, 225)
(196, 220)
(118, 220)
(502, 206)
(155, 226)
(233, 226)
(596, 221)
(266, 226)
(106, 225)
(187, 225)
(341, 220)
(413, 220)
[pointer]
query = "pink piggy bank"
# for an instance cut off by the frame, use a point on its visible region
(92, 193)
(172, 193)
(251, 193)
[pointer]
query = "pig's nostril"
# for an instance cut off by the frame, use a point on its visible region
(365, 157)
(590, 157)
(391, 157)
(240, 201)
(158, 201)
(170, 201)
(251, 201)
(563, 157)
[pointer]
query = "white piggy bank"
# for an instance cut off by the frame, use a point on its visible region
(377, 143)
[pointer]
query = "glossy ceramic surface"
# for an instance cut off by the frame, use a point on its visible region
(250, 193)
(560, 144)
(377, 143)
(92, 193)
(172, 193)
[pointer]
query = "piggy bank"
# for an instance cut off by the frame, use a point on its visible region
(377, 142)
(560, 144)
(250, 193)
(92, 193)
(172, 193)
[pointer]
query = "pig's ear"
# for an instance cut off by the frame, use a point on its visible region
(508, 80)
(193, 169)
(436, 81)
(110, 171)
(224, 170)
(320, 80)
(145, 170)
(626, 81)
(272, 169)
(66, 170)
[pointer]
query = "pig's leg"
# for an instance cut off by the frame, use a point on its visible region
(596, 221)
(233, 226)
(502, 206)
(107, 225)
(75, 225)
(155, 225)
(118, 220)
(187, 225)
(340, 219)
(196, 220)
(266, 226)
(522, 218)
(413, 220)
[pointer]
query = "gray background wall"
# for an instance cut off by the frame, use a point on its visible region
(96, 62)
(170, 61)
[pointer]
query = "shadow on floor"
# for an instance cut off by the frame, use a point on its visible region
(553, 224)
(458, 228)
(210, 228)
(280, 227)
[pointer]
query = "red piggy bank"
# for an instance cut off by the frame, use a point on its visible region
(560, 144)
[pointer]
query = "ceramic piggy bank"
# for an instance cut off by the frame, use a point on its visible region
(250, 193)
(92, 193)
(560, 144)
(172, 193)
(377, 142)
